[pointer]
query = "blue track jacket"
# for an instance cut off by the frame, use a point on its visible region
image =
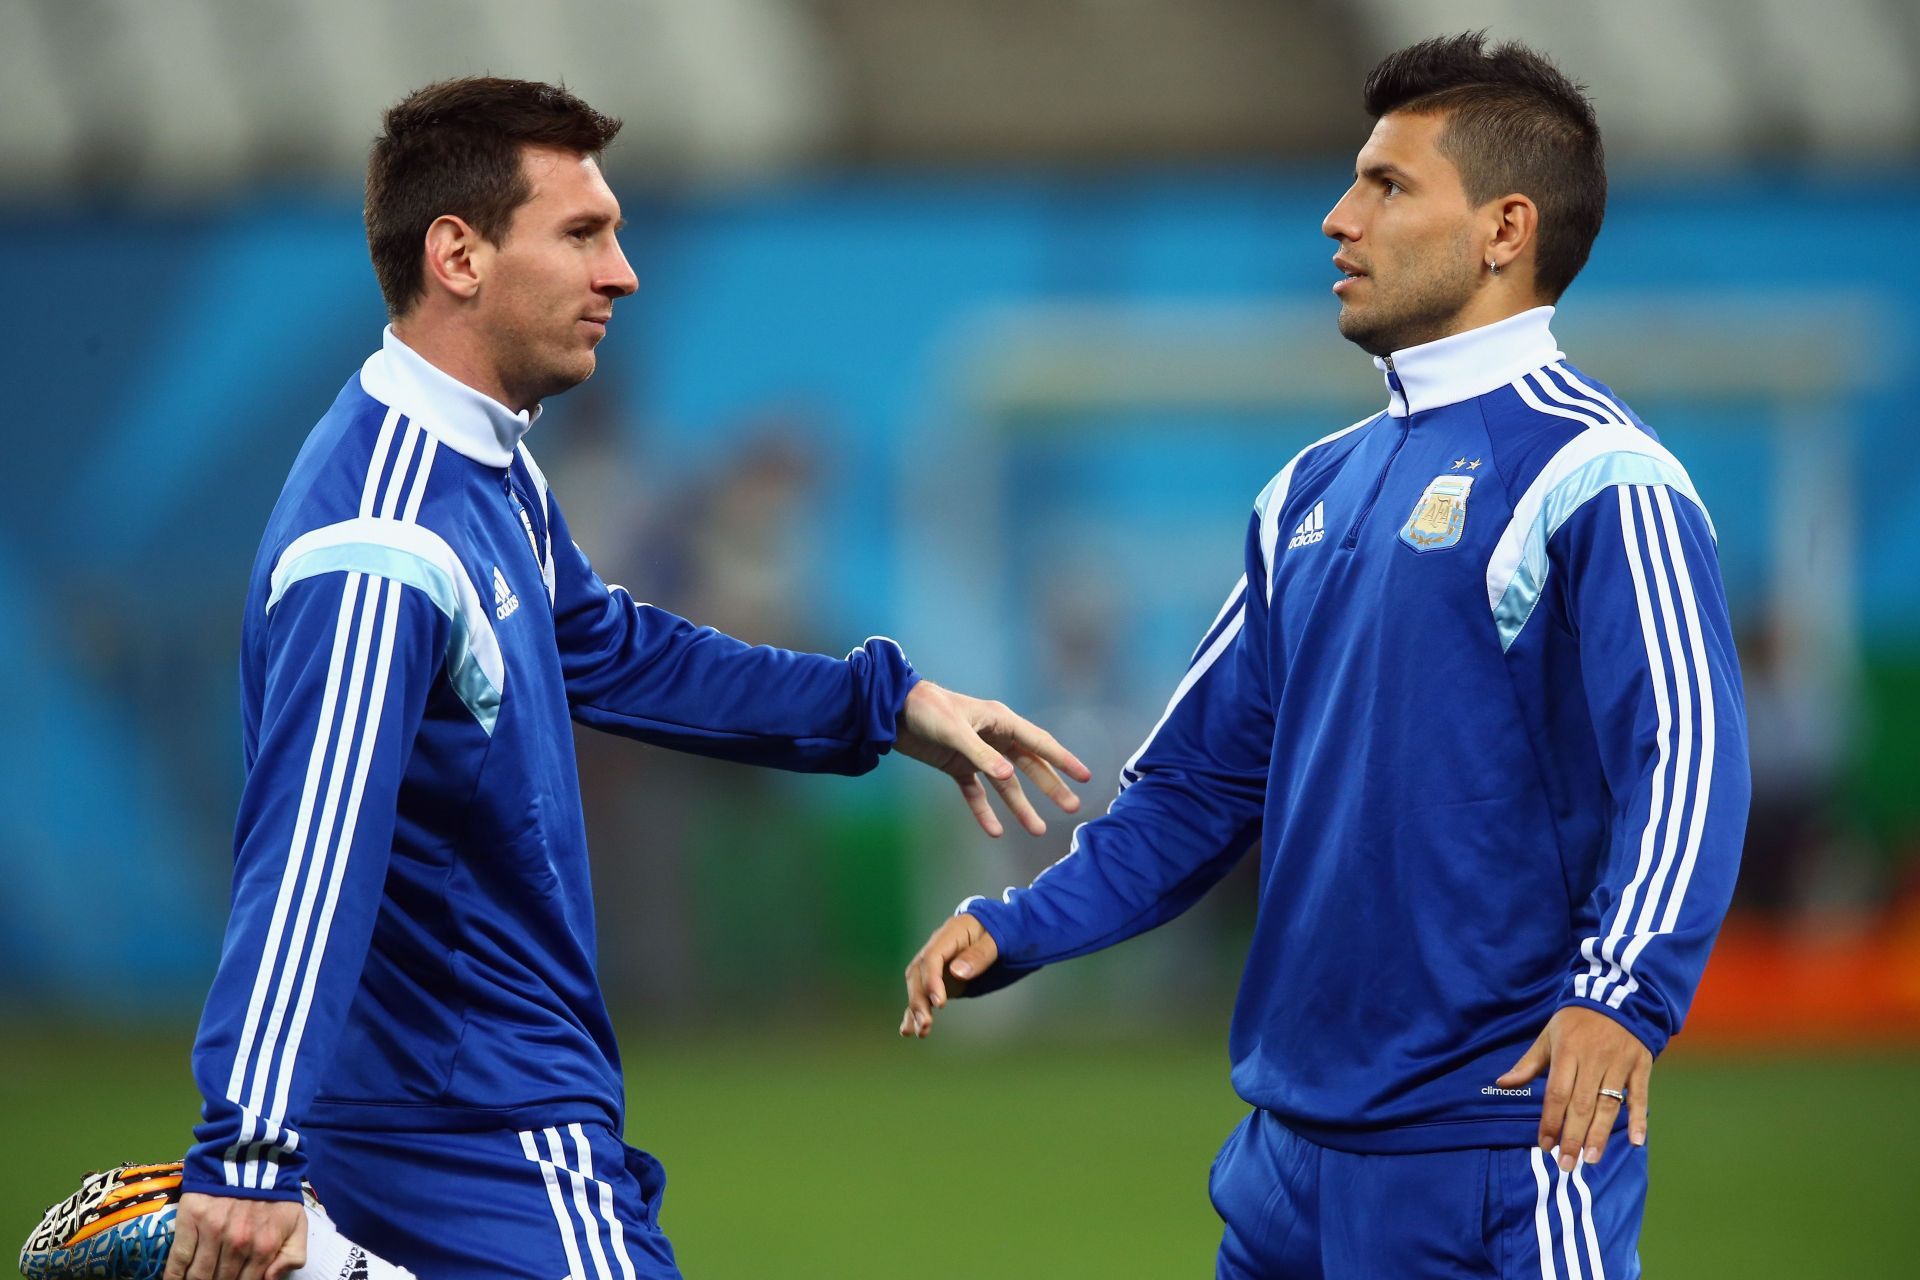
(1477, 700)
(411, 943)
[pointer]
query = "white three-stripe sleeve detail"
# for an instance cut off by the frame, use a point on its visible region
(244, 1055)
(1685, 756)
(560, 1216)
(616, 1233)
(1663, 745)
(1692, 654)
(1597, 1270)
(1567, 1233)
(316, 758)
(1541, 1230)
(317, 864)
(331, 856)
(1703, 688)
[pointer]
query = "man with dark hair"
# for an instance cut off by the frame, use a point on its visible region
(1477, 700)
(406, 1011)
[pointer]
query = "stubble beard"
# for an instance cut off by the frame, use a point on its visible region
(537, 370)
(1427, 310)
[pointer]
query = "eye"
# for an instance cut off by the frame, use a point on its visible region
(1391, 187)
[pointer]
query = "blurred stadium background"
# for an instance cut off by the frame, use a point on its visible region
(979, 323)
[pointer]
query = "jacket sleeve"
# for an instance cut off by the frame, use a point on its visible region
(644, 673)
(1190, 805)
(349, 658)
(1641, 585)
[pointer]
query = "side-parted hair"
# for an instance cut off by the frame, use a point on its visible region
(1514, 124)
(454, 148)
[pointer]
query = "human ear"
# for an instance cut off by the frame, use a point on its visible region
(1515, 223)
(454, 256)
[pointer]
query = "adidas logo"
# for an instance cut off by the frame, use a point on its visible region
(1311, 529)
(504, 601)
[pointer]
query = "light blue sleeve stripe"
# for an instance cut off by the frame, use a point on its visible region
(1595, 477)
(479, 694)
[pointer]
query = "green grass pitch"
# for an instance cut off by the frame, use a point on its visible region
(864, 1156)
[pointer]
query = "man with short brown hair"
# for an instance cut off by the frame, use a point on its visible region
(406, 1011)
(1476, 699)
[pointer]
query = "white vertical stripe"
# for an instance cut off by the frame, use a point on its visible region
(244, 1053)
(1540, 1229)
(616, 1233)
(392, 593)
(567, 1240)
(1684, 756)
(1194, 673)
(330, 807)
(1566, 1224)
(588, 1226)
(296, 851)
(263, 1056)
(1597, 1269)
(1233, 598)
(1703, 687)
(377, 467)
(1656, 807)
(329, 810)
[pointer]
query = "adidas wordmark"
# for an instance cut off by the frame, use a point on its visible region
(1311, 529)
(504, 601)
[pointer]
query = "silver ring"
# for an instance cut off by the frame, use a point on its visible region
(1618, 1095)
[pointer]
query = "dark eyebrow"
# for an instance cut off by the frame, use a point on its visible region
(595, 221)
(1382, 172)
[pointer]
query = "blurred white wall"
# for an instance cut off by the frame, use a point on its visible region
(172, 97)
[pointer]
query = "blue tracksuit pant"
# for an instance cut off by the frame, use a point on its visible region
(567, 1200)
(1295, 1210)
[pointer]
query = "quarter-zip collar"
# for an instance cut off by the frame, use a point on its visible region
(1464, 365)
(467, 421)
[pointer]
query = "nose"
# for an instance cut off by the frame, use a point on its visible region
(1342, 222)
(617, 279)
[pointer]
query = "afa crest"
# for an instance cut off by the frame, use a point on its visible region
(1439, 516)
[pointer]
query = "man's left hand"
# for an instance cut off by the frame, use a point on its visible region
(966, 738)
(1585, 1051)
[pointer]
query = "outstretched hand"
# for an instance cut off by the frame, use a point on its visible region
(967, 738)
(959, 951)
(1584, 1051)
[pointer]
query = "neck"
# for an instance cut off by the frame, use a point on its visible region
(460, 355)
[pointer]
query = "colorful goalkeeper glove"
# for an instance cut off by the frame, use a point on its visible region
(119, 1226)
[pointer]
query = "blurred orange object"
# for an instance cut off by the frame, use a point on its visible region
(1851, 982)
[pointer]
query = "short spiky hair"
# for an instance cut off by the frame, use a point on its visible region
(1515, 123)
(454, 148)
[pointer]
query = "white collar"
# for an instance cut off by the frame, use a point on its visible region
(1464, 365)
(467, 421)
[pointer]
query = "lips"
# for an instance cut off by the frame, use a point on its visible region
(1349, 271)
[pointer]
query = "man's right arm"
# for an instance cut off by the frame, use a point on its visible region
(349, 657)
(1190, 805)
